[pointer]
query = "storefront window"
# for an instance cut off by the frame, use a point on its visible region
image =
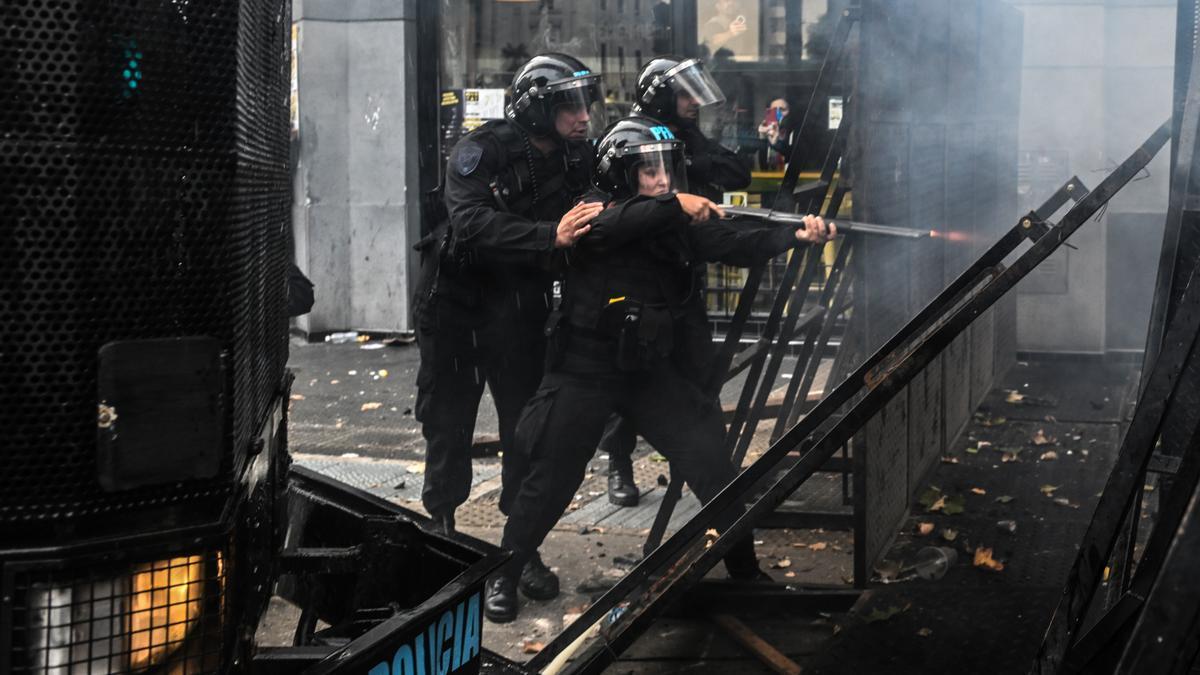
(765, 54)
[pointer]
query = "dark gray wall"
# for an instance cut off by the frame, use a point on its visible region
(1096, 81)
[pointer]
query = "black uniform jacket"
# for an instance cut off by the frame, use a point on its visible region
(504, 201)
(712, 168)
(645, 250)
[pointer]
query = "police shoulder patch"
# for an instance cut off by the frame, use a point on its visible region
(467, 158)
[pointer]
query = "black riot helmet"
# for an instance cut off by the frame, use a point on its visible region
(640, 155)
(664, 78)
(549, 82)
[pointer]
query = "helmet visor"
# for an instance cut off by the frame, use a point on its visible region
(655, 169)
(692, 80)
(578, 107)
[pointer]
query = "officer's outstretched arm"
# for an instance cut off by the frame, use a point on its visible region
(632, 219)
(720, 241)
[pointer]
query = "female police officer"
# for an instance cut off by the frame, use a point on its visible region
(631, 328)
(673, 90)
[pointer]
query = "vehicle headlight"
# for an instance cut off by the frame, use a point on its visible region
(127, 623)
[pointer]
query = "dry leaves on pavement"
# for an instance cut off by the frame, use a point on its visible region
(984, 559)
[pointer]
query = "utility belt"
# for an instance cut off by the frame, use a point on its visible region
(632, 335)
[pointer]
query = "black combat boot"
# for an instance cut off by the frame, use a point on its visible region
(443, 523)
(742, 563)
(622, 491)
(500, 598)
(537, 581)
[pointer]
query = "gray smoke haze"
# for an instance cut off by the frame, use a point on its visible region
(1096, 81)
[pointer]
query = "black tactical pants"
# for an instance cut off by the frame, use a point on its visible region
(457, 358)
(564, 420)
(619, 440)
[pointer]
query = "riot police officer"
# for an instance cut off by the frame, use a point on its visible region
(626, 339)
(511, 194)
(674, 90)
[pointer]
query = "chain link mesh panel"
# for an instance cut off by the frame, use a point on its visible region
(144, 193)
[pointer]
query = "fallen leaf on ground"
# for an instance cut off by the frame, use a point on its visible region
(983, 445)
(930, 496)
(978, 491)
(1010, 455)
(949, 534)
(818, 546)
(1048, 455)
(417, 468)
(532, 646)
(1040, 438)
(954, 505)
(710, 532)
(992, 421)
(657, 457)
(925, 632)
(297, 397)
(1004, 499)
(373, 405)
(1048, 489)
(1014, 396)
(984, 559)
(924, 529)
(938, 505)
(1007, 526)
(877, 615)
(946, 459)
(973, 450)
(781, 564)
(382, 372)
(789, 574)
(1063, 501)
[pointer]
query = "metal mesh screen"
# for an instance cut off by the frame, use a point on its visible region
(165, 614)
(144, 193)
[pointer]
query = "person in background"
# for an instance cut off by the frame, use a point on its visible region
(674, 90)
(726, 30)
(775, 131)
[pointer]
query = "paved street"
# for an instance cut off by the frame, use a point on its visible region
(352, 419)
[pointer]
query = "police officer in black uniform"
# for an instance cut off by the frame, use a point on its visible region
(674, 90)
(627, 338)
(512, 191)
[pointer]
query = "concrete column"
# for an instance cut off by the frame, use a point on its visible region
(1096, 82)
(356, 209)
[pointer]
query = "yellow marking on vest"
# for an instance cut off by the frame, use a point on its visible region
(615, 300)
